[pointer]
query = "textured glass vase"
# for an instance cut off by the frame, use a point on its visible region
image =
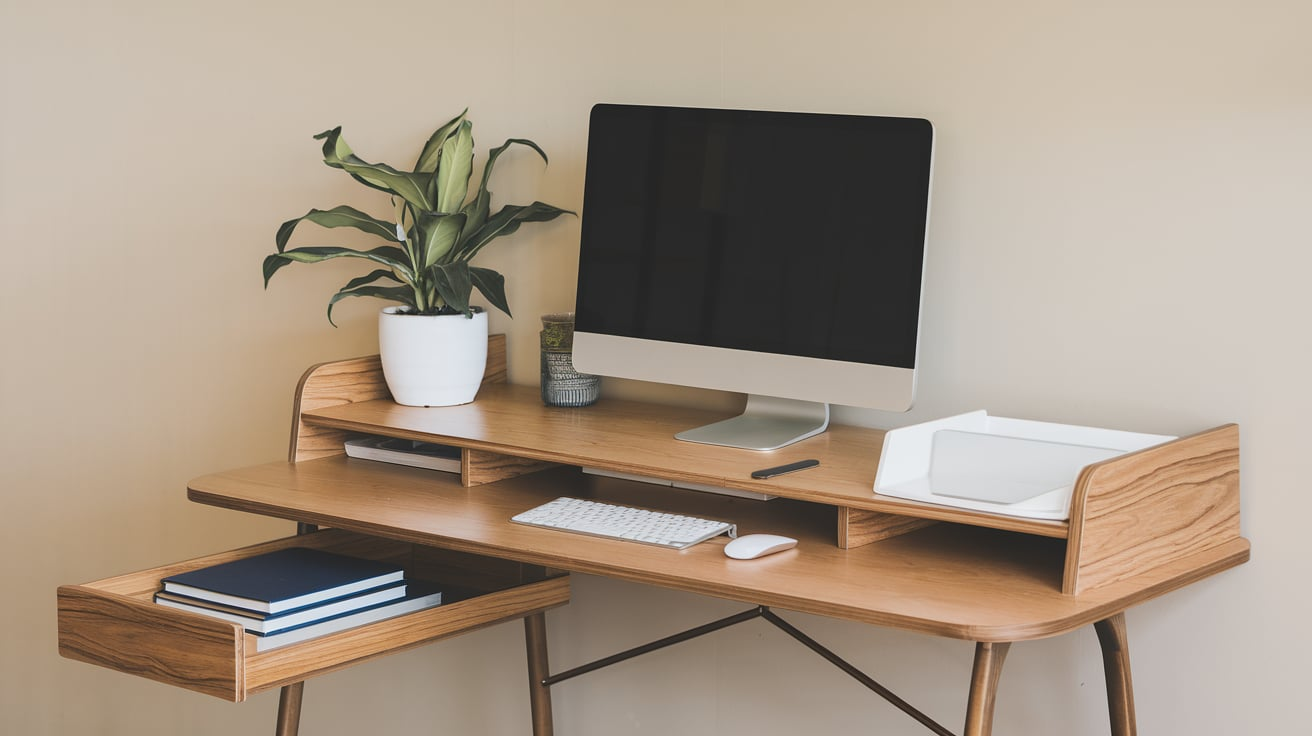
(561, 384)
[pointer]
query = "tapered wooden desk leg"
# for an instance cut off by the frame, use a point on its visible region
(984, 687)
(289, 709)
(1116, 668)
(539, 694)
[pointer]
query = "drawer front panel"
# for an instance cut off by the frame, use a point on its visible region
(141, 638)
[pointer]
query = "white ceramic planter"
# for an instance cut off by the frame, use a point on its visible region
(432, 360)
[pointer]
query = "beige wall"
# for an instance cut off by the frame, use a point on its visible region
(1120, 238)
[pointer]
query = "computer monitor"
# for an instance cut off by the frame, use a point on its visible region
(778, 254)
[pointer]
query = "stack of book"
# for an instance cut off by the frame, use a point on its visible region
(297, 593)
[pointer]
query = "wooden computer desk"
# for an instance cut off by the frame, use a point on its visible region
(1141, 525)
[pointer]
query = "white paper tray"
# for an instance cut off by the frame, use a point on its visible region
(1013, 467)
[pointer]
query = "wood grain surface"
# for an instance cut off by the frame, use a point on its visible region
(858, 527)
(950, 580)
(138, 637)
(478, 467)
(1146, 509)
(332, 384)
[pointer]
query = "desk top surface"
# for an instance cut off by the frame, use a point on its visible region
(948, 580)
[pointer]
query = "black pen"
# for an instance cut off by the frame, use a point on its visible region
(764, 473)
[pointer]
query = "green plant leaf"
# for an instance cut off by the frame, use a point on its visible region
(410, 186)
(479, 205)
(454, 285)
(492, 155)
(401, 294)
(506, 221)
(432, 151)
(335, 149)
(492, 286)
(475, 211)
(388, 255)
(340, 216)
(333, 138)
(372, 276)
(451, 182)
(440, 233)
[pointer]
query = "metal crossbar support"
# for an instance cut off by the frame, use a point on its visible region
(770, 616)
(659, 644)
(856, 674)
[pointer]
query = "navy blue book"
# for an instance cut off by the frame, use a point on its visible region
(267, 623)
(283, 580)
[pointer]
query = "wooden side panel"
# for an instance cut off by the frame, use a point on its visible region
(353, 381)
(141, 638)
(1150, 508)
(859, 527)
(478, 467)
(331, 384)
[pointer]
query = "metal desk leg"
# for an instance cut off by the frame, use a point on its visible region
(539, 692)
(289, 709)
(1116, 668)
(984, 687)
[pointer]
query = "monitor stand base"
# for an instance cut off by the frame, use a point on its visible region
(767, 423)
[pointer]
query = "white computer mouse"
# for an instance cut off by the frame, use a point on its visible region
(751, 546)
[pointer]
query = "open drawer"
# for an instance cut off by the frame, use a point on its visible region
(115, 622)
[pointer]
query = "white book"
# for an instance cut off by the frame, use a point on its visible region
(419, 597)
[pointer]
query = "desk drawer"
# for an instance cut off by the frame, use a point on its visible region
(115, 622)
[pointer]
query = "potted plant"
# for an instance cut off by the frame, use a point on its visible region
(434, 345)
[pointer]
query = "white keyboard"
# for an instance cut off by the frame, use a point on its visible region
(624, 522)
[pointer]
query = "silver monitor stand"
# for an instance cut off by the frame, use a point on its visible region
(767, 423)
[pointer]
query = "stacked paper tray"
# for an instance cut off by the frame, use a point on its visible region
(1014, 467)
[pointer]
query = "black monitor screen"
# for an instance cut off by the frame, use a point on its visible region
(793, 233)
